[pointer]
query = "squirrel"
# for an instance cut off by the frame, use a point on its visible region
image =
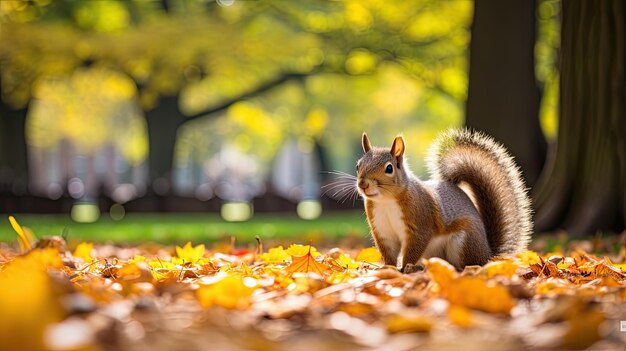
(474, 207)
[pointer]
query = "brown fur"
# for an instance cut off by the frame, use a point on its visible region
(476, 159)
(440, 207)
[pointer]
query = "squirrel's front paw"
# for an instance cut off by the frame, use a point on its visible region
(412, 268)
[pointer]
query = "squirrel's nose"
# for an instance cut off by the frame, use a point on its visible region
(363, 184)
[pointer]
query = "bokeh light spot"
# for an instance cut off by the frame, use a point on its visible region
(85, 212)
(236, 211)
(309, 209)
(117, 212)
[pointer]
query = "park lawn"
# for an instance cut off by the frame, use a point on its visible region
(197, 227)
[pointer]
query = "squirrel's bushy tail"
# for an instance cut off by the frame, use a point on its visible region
(499, 191)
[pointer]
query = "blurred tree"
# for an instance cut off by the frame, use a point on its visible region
(583, 188)
(13, 156)
(182, 75)
(503, 98)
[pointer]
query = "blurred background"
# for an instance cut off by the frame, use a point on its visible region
(174, 119)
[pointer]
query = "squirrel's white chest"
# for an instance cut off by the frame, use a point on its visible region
(389, 221)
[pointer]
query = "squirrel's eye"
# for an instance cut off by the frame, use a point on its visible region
(389, 169)
(357, 167)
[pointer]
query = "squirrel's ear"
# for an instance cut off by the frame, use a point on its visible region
(397, 148)
(367, 146)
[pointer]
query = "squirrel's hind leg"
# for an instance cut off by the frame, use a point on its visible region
(475, 247)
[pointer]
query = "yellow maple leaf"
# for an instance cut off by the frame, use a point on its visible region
(25, 238)
(84, 250)
(306, 263)
(301, 250)
(190, 253)
(232, 292)
(346, 262)
(275, 255)
(370, 255)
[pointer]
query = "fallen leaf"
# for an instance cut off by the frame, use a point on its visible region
(407, 324)
(275, 255)
(28, 300)
(528, 257)
(190, 253)
(479, 294)
(460, 316)
(583, 323)
(346, 262)
(469, 291)
(369, 255)
(301, 250)
(306, 263)
(230, 292)
(84, 251)
(442, 272)
(24, 238)
(505, 268)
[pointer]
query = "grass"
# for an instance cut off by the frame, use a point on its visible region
(180, 228)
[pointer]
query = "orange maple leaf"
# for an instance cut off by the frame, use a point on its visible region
(306, 264)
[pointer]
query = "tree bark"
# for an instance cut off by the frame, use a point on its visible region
(13, 149)
(584, 187)
(503, 97)
(163, 122)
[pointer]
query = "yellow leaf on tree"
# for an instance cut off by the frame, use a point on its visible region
(83, 250)
(370, 254)
(190, 253)
(306, 263)
(275, 255)
(232, 292)
(301, 250)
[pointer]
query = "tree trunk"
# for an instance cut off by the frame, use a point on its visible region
(503, 98)
(584, 187)
(163, 122)
(13, 154)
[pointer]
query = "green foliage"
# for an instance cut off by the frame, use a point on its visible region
(546, 69)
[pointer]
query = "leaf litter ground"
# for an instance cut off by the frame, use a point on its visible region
(190, 297)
